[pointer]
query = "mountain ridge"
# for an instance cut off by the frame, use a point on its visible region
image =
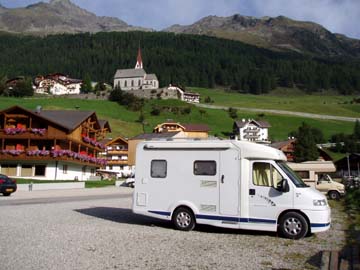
(57, 17)
(275, 33)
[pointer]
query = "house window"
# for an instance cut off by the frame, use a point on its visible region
(26, 170)
(158, 168)
(139, 82)
(132, 83)
(9, 169)
(265, 174)
(40, 170)
(205, 167)
(92, 171)
(110, 167)
(125, 83)
(65, 169)
(83, 170)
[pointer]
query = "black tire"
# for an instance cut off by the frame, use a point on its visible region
(293, 225)
(6, 193)
(183, 219)
(334, 195)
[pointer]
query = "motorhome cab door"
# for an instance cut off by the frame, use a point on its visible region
(265, 202)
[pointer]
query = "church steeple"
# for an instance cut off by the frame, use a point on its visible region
(139, 63)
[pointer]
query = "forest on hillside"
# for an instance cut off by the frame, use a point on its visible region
(186, 60)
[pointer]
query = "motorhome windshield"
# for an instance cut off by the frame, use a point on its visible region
(298, 182)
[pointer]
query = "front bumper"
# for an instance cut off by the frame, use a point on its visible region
(320, 220)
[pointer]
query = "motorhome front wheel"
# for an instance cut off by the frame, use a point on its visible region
(293, 225)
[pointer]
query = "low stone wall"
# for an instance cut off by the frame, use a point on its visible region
(160, 93)
(49, 186)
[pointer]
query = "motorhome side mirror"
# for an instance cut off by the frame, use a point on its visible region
(283, 186)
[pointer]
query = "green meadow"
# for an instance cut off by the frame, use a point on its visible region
(125, 123)
(286, 99)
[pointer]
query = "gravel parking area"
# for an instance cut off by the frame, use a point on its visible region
(105, 234)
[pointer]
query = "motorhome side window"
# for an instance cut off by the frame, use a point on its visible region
(158, 168)
(264, 174)
(304, 174)
(205, 167)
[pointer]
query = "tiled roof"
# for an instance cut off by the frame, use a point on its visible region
(259, 123)
(196, 127)
(150, 77)
(104, 123)
(129, 73)
(68, 119)
(280, 145)
(151, 136)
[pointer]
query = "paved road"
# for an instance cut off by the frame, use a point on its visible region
(301, 114)
(63, 196)
(87, 232)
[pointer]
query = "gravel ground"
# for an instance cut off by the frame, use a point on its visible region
(105, 234)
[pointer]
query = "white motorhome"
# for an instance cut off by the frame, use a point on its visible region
(232, 184)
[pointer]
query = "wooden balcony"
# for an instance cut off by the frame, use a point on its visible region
(117, 162)
(117, 152)
(29, 135)
(46, 158)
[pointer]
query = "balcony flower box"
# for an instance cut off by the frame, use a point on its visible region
(93, 142)
(39, 131)
(79, 156)
(13, 152)
(38, 153)
(14, 131)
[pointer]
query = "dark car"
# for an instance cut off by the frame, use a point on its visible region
(7, 185)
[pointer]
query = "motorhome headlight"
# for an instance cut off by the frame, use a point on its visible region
(320, 202)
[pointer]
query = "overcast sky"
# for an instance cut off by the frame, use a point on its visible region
(339, 16)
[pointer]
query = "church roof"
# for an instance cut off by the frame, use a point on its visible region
(129, 73)
(150, 77)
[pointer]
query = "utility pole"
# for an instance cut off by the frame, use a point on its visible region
(348, 163)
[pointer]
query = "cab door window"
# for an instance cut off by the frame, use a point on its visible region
(265, 174)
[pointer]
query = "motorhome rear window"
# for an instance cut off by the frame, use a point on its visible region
(205, 167)
(158, 168)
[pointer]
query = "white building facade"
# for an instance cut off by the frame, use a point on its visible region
(252, 130)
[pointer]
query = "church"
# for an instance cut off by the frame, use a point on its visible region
(135, 78)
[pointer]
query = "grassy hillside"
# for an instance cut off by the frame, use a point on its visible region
(124, 122)
(286, 99)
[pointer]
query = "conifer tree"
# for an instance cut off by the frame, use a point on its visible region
(305, 146)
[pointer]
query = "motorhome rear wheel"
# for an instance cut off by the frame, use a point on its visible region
(183, 219)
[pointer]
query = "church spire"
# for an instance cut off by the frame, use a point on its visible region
(139, 63)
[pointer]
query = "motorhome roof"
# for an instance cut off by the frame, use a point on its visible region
(248, 150)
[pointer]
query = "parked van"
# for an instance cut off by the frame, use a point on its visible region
(315, 174)
(231, 184)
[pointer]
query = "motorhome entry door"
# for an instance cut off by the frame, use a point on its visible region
(229, 182)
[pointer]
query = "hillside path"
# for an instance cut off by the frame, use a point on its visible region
(283, 112)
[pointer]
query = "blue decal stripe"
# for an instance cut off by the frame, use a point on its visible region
(258, 220)
(236, 219)
(318, 225)
(218, 218)
(162, 213)
(226, 218)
